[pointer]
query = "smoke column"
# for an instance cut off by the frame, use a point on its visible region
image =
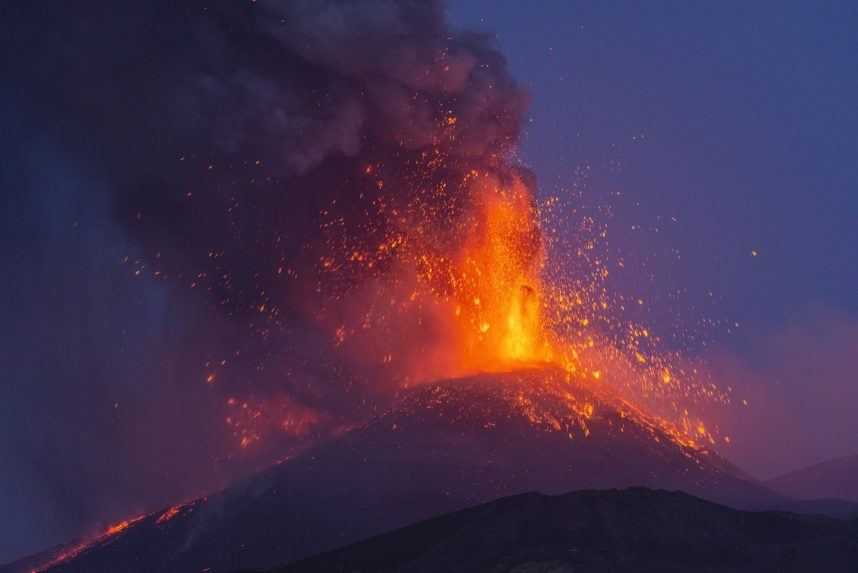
(195, 186)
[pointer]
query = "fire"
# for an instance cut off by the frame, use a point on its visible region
(117, 528)
(174, 510)
(169, 514)
(458, 287)
(70, 552)
(496, 284)
(452, 278)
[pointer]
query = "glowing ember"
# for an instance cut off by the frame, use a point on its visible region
(474, 287)
(69, 553)
(169, 514)
(248, 420)
(460, 279)
(117, 528)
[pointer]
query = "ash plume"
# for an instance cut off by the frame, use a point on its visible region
(216, 153)
(279, 141)
(244, 141)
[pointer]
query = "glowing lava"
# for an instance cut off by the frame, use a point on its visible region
(69, 553)
(459, 287)
(495, 284)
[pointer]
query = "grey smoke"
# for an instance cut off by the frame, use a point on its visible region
(164, 132)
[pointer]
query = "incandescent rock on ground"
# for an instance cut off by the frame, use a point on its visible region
(446, 446)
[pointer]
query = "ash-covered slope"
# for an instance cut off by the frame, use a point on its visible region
(446, 446)
(593, 531)
(831, 479)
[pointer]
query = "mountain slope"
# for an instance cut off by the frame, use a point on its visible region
(446, 446)
(831, 479)
(632, 530)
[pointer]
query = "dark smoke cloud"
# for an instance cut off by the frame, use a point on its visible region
(201, 143)
(94, 416)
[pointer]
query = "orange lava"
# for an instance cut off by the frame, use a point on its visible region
(491, 285)
(169, 514)
(474, 286)
(69, 553)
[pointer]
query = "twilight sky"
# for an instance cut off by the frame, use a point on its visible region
(711, 131)
(726, 128)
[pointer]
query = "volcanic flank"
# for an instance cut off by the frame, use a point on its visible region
(445, 446)
(338, 181)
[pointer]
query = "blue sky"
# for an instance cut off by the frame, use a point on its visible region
(714, 130)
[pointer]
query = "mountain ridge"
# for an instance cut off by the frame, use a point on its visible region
(836, 478)
(635, 529)
(443, 447)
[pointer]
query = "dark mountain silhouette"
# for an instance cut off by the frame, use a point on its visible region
(445, 446)
(831, 479)
(634, 530)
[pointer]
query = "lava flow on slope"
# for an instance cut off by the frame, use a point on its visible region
(444, 446)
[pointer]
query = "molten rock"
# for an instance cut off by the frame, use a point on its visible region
(446, 446)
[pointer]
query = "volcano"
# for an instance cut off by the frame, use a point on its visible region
(443, 447)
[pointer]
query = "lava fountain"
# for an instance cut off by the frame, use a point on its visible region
(456, 287)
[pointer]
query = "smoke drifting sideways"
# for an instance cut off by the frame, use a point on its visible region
(180, 171)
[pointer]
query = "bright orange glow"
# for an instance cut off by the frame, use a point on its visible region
(249, 420)
(496, 285)
(117, 528)
(464, 279)
(169, 514)
(70, 552)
